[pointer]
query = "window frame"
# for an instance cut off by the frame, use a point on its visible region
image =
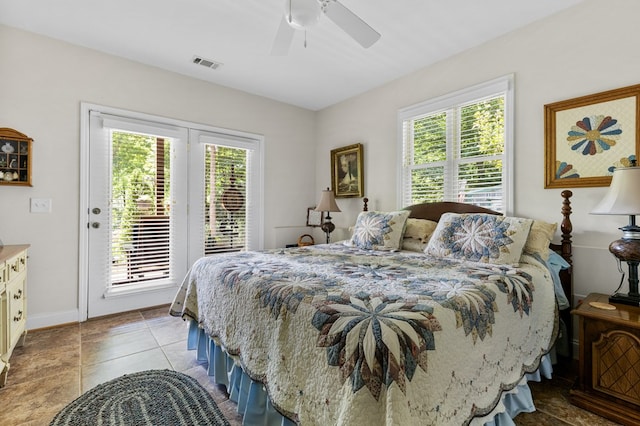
(500, 86)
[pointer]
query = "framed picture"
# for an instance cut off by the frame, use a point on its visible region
(314, 218)
(347, 178)
(586, 138)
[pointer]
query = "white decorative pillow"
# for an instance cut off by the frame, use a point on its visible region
(412, 244)
(480, 237)
(539, 238)
(417, 233)
(420, 229)
(379, 230)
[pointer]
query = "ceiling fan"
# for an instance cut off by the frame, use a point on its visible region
(303, 14)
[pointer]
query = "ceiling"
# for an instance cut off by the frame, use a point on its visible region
(240, 33)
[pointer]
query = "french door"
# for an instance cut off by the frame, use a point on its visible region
(156, 195)
(137, 222)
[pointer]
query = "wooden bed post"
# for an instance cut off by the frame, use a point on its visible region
(365, 207)
(566, 227)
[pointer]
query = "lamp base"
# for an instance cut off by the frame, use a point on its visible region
(625, 299)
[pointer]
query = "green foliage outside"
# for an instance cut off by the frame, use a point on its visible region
(133, 188)
(481, 135)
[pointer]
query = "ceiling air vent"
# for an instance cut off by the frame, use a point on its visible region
(206, 62)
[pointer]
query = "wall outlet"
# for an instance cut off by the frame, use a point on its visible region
(40, 205)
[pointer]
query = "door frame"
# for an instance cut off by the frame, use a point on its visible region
(83, 231)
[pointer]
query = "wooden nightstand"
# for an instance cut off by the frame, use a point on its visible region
(609, 367)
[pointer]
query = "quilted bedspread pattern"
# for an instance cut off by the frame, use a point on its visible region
(344, 336)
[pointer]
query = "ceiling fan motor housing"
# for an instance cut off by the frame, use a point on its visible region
(302, 14)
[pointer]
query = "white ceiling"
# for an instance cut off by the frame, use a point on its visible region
(240, 33)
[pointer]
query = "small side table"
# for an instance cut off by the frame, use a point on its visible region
(609, 366)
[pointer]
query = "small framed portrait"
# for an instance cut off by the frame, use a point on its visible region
(347, 172)
(314, 218)
(587, 138)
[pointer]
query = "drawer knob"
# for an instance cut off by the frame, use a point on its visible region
(14, 268)
(18, 295)
(18, 317)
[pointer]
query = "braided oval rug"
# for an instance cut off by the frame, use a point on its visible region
(153, 397)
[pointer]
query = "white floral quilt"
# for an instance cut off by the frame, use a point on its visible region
(342, 336)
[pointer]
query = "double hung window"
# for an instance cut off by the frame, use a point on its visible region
(458, 148)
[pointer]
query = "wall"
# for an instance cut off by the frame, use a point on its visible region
(586, 49)
(43, 81)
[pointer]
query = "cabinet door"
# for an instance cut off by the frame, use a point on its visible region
(4, 327)
(17, 307)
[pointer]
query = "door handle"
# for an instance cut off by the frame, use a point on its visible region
(96, 210)
(95, 225)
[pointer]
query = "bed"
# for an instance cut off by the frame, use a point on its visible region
(371, 332)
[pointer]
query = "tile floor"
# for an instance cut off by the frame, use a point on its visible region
(56, 365)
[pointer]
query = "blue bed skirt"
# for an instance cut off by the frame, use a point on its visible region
(256, 409)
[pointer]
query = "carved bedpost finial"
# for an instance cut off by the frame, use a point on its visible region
(365, 208)
(566, 227)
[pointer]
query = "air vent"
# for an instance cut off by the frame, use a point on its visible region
(206, 62)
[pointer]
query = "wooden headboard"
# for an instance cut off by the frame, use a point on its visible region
(433, 211)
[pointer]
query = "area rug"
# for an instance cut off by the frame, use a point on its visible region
(153, 397)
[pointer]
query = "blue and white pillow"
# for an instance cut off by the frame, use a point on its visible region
(379, 230)
(479, 237)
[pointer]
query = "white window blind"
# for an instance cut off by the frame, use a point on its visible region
(140, 209)
(226, 206)
(457, 148)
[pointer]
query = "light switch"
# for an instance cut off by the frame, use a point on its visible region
(40, 205)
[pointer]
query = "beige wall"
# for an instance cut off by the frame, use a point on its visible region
(43, 82)
(587, 49)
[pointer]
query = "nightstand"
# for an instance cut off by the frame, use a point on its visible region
(609, 366)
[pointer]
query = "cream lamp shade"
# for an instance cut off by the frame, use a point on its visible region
(623, 197)
(327, 202)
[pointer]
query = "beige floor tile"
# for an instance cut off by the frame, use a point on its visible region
(169, 330)
(157, 312)
(113, 324)
(35, 400)
(180, 357)
(98, 349)
(95, 374)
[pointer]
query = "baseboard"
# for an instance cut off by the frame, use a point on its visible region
(51, 319)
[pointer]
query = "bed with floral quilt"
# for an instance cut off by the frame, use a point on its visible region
(378, 330)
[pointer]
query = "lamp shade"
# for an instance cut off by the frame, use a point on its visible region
(623, 197)
(327, 202)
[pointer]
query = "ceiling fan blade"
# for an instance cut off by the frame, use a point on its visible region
(350, 23)
(284, 37)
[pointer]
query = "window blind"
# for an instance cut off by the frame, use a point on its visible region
(457, 148)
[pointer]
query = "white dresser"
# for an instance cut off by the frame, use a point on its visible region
(13, 303)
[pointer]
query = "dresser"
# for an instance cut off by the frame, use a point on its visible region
(609, 365)
(13, 303)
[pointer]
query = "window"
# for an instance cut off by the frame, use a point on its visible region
(225, 205)
(458, 148)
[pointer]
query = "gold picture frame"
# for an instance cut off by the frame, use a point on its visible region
(586, 138)
(347, 172)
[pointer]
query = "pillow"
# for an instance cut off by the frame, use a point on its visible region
(379, 230)
(417, 233)
(412, 244)
(479, 237)
(420, 229)
(539, 238)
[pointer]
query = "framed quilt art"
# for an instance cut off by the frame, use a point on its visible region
(586, 138)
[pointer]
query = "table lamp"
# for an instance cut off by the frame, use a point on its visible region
(623, 198)
(327, 204)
